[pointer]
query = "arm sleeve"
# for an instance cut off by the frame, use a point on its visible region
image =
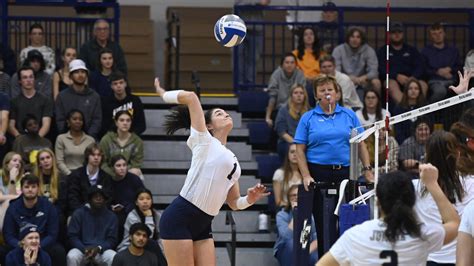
(74, 191)
(96, 122)
(60, 114)
(273, 86)
(336, 53)
(372, 64)
(104, 146)
(430, 71)
(467, 220)
(112, 233)
(282, 221)
(10, 229)
(281, 126)
(434, 233)
(136, 160)
(59, 150)
(301, 134)
(53, 228)
(131, 219)
(419, 69)
(140, 121)
(74, 232)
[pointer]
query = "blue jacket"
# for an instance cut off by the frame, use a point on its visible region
(15, 258)
(406, 61)
(43, 214)
(435, 58)
(93, 229)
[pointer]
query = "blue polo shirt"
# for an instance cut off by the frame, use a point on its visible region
(327, 136)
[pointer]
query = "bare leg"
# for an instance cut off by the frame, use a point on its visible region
(205, 252)
(179, 252)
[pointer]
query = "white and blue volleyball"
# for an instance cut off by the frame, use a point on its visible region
(230, 30)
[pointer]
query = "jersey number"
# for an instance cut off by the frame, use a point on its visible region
(233, 171)
(389, 254)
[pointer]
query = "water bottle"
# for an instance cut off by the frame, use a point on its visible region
(263, 223)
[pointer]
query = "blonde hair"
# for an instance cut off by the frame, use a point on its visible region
(54, 180)
(6, 172)
(291, 105)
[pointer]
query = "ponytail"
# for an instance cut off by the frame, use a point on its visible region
(396, 196)
(177, 119)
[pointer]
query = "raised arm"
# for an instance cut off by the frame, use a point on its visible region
(187, 98)
(236, 202)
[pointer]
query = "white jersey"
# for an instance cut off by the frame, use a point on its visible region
(365, 244)
(428, 213)
(214, 170)
(467, 220)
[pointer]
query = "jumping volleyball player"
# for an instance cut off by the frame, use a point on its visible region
(212, 179)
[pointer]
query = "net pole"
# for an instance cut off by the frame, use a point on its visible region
(376, 168)
(387, 77)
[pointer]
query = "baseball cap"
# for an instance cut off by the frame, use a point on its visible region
(77, 64)
(329, 6)
(396, 26)
(34, 54)
(26, 229)
(96, 189)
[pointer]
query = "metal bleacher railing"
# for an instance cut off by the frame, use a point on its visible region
(60, 31)
(282, 40)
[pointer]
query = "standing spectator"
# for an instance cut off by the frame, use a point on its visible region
(123, 142)
(350, 98)
(251, 49)
(288, 117)
(29, 251)
(122, 100)
(358, 60)
(100, 80)
(285, 177)
(372, 110)
(79, 96)
(81, 179)
(31, 142)
(37, 43)
(442, 62)
(61, 78)
(136, 254)
(37, 210)
(4, 113)
(90, 50)
(328, 27)
(29, 102)
(308, 53)
(281, 81)
(412, 150)
(9, 59)
(43, 81)
(71, 145)
(405, 63)
(92, 231)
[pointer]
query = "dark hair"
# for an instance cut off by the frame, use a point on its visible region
(29, 179)
(378, 108)
(35, 55)
(288, 203)
(69, 115)
(24, 68)
(116, 117)
(116, 158)
(441, 151)
(464, 129)
(179, 118)
(141, 215)
(301, 47)
(352, 30)
(420, 101)
(422, 120)
(396, 196)
(27, 118)
(327, 58)
(139, 227)
(117, 75)
(60, 62)
(36, 26)
(105, 51)
(90, 150)
(436, 26)
(285, 56)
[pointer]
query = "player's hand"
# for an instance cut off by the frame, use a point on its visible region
(256, 192)
(428, 174)
(159, 90)
(307, 180)
(463, 85)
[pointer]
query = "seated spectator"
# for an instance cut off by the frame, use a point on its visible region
(442, 62)
(100, 80)
(405, 63)
(144, 213)
(350, 99)
(9, 59)
(37, 43)
(61, 78)
(31, 142)
(81, 179)
(413, 98)
(71, 145)
(32, 208)
(90, 50)
(5, 83)
(4, 114)
(283, 249)
(281, 80)
(392, 152)
(308, 53)
(92, 231)
(136, 254)
(29, 251)
(27, 103)
(358, 60)
(124, 186)
(123, 142)
(412, 150)
(372, 110)
(79, 96)
(122, 100)
(286, 176)
(288, 117)
(43, 80)
(11, 173)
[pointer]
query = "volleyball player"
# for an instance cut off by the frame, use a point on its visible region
(212, 179)
(397, 238)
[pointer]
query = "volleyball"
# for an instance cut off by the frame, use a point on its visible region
(230, 30)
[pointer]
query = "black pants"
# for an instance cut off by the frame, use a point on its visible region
(325, 201)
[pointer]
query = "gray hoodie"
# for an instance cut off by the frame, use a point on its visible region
(362, 61)
(279, 85)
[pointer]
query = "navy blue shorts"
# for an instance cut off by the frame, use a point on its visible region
(183, 220)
